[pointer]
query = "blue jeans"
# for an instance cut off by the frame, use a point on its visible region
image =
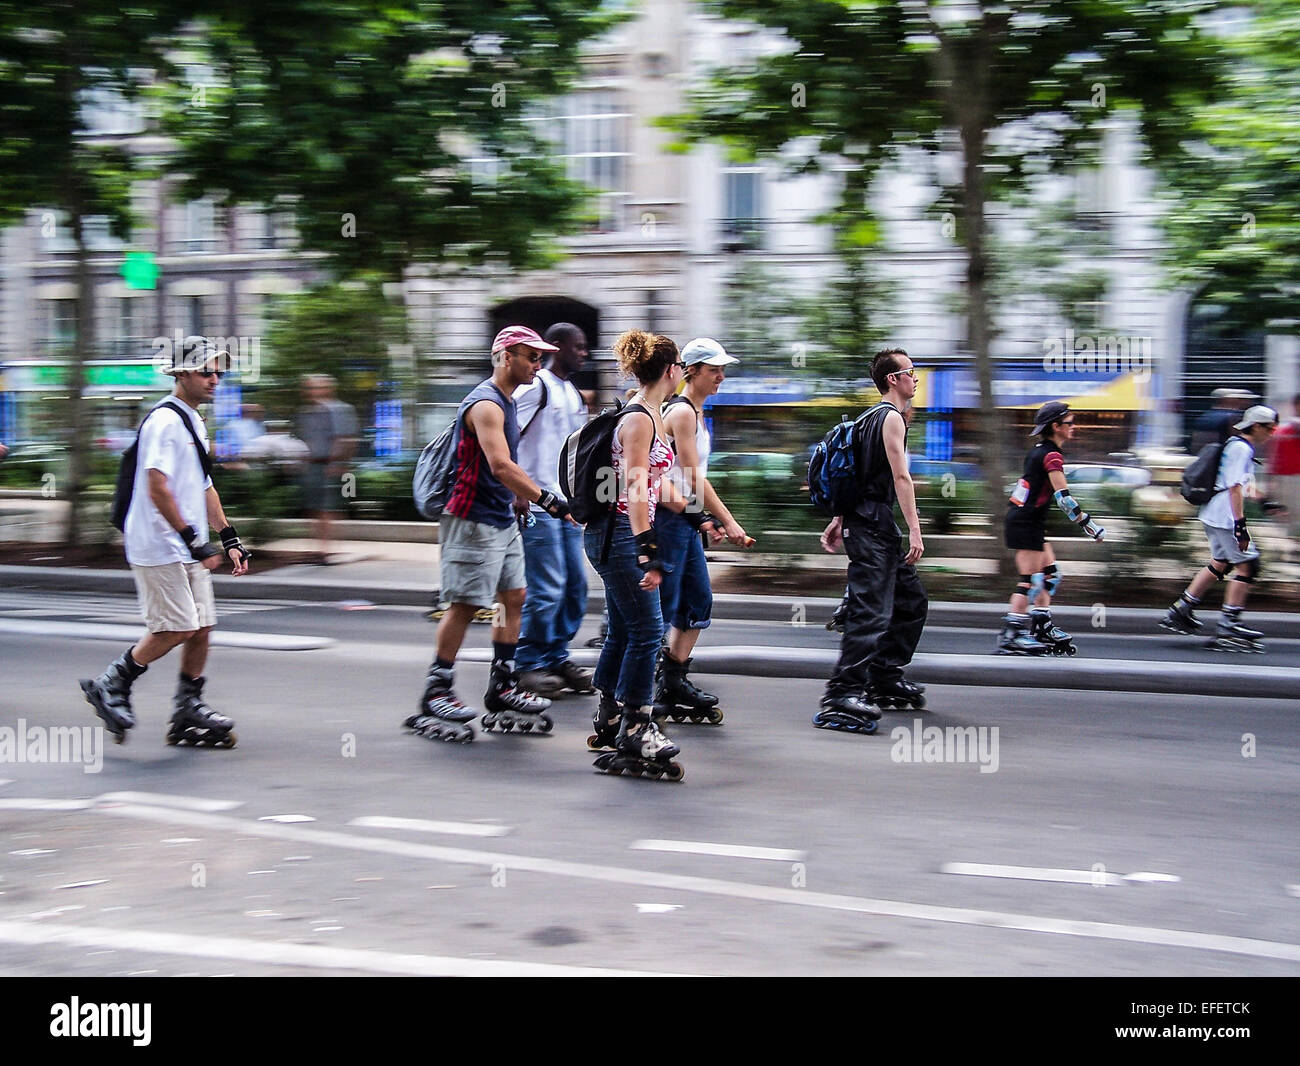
(686, 595)
(557, 592)
(627, 661)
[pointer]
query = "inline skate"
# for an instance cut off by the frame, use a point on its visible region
(194, 722)
(847, 712)
(605, 721)
(1181, 619)
(1046, 632)
(110, 694)
(1233, 636)
(441, 715)
(641, 749)
(676, 697)
(896, 695)
(507, 707)
(1014, 640)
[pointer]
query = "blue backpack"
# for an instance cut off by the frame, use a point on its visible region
(833, 483)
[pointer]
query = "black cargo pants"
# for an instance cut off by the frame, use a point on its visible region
(887, 607)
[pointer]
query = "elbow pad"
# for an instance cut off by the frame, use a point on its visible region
(1068, 504)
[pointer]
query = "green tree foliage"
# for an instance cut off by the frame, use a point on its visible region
(1234, 214)
(360, 118)
(56, 61)
(1003, 88)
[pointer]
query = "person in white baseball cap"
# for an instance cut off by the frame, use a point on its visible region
(685, 595)
(1231, 546)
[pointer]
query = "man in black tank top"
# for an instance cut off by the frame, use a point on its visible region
(886, 604)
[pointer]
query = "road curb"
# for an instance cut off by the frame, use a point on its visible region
(796, 610)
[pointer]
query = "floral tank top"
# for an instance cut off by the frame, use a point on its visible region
(661, 460)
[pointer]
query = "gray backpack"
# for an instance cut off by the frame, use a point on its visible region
(435, 472)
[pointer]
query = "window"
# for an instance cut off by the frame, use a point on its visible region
(742, 223)
(106, 111)
(589, 132)
(198, 227)
(126, 328)
(189, 315)
(58, 326)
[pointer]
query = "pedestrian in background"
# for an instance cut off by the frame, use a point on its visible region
(1284, 470)
(549, 409)
(328, 427)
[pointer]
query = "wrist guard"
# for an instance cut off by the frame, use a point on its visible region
(553, 505)
(1068, 504)
(230, 544)
(697, 520)
(1240, 531)
(1090, 527)
(198, 549)
(647, 551)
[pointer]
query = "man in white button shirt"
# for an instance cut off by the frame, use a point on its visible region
(1231, 547)
(555, 566)
(167, 544)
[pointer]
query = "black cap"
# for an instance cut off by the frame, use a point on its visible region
(1052, 411)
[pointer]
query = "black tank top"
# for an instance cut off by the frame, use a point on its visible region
(875, 508)
(1033, 492)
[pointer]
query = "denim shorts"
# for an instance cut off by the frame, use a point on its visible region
(685, 594)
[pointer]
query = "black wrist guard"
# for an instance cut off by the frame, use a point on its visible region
(1239, 529)
(697, 520)
(647, 551)
(230, 544)
(198, 549)
(553, 505)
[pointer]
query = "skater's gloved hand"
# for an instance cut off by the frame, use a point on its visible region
(1242, 534)
(200, 550)
(1090, 527)
(235, 551)
(553, 505)
(647, 558)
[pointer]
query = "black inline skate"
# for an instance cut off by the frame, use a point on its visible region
(194, 722)
(1181, 619)
(1233, 636)
(110, 694)
(577, 679)
(605, 721)
(847, 712)
(1014, 640)
(507, 707)
(441, 715)
(641, 749)
(896, 695)
(676, 696)
(1046, 632)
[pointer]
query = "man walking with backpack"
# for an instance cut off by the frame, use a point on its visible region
(481, 552)
(1231, 547)
(172, 501)
(556, 570)
(887, 605)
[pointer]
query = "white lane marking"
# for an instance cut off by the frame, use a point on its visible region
(1068, 877)
(1293, 890)
(85, 884)
(95, 631)
(420, 825)
(27, 852)
(286, 818)
(6, 780)
(281, 954)
(162, 799)
(798, 897)
(735, 851)
(657, 908)
(28, 803)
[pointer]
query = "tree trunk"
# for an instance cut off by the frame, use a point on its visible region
(83, 346)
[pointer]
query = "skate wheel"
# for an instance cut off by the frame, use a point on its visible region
(715, 717)
(1071, 650)
(674, 772)
(593, 743)
(228, 741)
(525, 727)
(172, 739)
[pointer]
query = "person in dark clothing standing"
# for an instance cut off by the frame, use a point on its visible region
(887, 605)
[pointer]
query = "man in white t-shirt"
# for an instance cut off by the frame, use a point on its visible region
(1231, 548)
(167, 544)
(555, 566)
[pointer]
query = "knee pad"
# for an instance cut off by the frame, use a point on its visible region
(1052, 578)
(1036, 585)
(1247, 571)
(1218, 574)
(1025, 585)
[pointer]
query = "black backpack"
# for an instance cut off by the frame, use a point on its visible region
(586, 467)
(1197, 487)
(131, 458)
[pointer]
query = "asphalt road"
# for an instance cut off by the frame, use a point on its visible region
(1092, 833)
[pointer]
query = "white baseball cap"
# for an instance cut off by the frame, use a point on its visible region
(1259, 415)
(195, 353)
(708, 351)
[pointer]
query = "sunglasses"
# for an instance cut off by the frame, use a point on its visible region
(531, 355)
(910, 373)
(210, 374)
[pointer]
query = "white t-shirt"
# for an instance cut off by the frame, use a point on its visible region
(703, 445)
(1236, 468)
(539, 448)
(166, 446)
